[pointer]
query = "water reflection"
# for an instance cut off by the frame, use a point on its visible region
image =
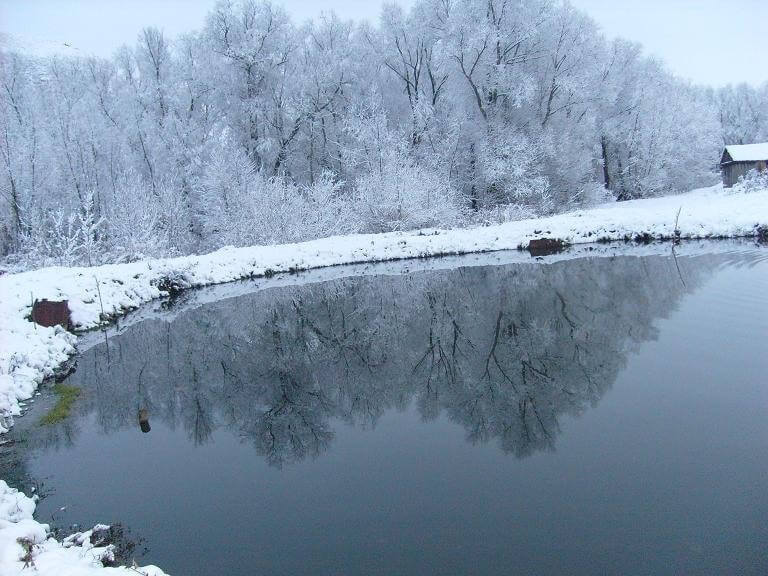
(504, 351)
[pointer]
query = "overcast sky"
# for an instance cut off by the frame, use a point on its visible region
(704, 40)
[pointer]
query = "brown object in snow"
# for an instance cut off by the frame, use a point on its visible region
(51, 313)
(546, 246)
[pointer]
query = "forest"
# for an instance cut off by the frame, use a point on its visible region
(259, 130)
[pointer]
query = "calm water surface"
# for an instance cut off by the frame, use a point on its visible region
(590, 416)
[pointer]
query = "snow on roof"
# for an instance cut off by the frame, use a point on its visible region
(748, 152)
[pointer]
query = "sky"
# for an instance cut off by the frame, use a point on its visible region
(705, 41)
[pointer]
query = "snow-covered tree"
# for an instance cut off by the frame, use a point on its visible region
(255, 130)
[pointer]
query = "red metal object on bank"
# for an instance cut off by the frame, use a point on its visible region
(51, 313)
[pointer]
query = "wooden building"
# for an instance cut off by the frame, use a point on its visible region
(738, 159)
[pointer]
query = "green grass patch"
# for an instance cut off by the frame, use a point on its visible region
(67, 396)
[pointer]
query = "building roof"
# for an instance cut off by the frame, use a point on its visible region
(747, 152)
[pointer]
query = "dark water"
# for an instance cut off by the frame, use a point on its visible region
(591, 416)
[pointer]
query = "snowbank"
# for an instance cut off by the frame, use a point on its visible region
(26, 548)
(29, 353)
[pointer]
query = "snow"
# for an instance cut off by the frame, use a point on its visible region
(30, 353)
(748, 152)
(26, 546)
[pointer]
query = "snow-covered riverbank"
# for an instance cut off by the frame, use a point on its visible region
(27, 548)
(29, 353)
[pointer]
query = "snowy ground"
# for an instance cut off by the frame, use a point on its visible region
(26, 548)
(28, 354)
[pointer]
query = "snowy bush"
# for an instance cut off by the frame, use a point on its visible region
(134, 222)
(91, 228)
(260, 212)
(752, 181)
(246, 207)
(275, 210)
(51, 238)
(502, 213)
(509, 171)
(592, 194)
(174, 219)
(403, 195)
(327, 210)
(63, 237)
(145, 222)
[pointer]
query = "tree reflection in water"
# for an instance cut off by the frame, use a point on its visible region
(503, 351)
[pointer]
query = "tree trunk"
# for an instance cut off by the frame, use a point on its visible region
(606, 174)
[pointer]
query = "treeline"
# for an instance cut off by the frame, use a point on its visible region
(257, 130)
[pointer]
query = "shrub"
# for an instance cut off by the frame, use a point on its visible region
(752, 181)
(403, 195)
